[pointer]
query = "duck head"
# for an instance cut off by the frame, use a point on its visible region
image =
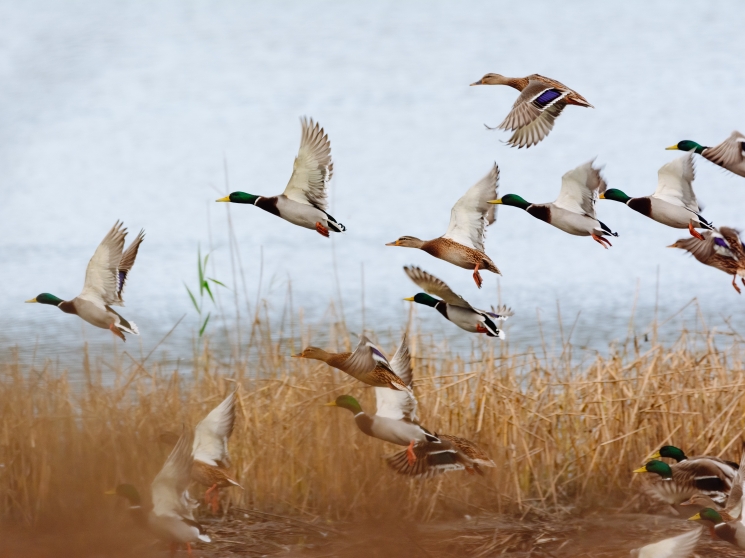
(424, 298)
(513, 200)
(313, 353)
(670, 452)
(492, 79)
(614, 194)
(687, 145)
(240, 197)
(407, 242)
(346, 402)
(46, 298)
(658, 467)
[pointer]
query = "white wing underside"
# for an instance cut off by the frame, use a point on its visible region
(579, 188)
(212, 434)
(395, 404)
(471, 214)
(675, 183)
(313, 167)
(675, 547)
(169, 494)
(102, 274)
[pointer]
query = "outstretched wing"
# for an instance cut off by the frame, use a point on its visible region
(169, 486)
(675, 183)
(501, 312)
(533, 115)
(734, 500)
(126, 263)
(579, 189)
(399, 404)
(434, 286)
(313, 167)
(471, 213)
(730, 152)
(365, 358)
(212, 433)
(675, 547)
(102, 275)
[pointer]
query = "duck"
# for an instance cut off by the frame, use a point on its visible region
(730, 154)
(367, 364)
(171, 518)
(454, 307)
(673, 202)
(680, 546)
(676, 483)
(395, 421)
(105, 278)
(728, 524)
(539, 104)
(463, 242)
(574, 210)
(673, 452)
(304, 201)
(721, 249)
(210, 451)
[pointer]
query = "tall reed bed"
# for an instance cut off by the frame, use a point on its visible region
(565, 430)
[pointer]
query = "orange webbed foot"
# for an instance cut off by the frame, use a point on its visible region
(477, 277)
(602, 241)
(323, 231)
(115, 330)
(694, 232)
(410, 455)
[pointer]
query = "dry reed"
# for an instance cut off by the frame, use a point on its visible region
(564, 431)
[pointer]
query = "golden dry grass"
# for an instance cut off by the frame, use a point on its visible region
(564, 431)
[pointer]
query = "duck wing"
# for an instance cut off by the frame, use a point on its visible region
(365, 358)
(126, 263)
(471, 214)
(399, 405)
(734, 500)
(101, 285)
(169, 486)
(675, 547)
(534, 112)
(729, 153)
(675, 183)
(579, 189)
(212, 433)
(434, 286)
(313, 167)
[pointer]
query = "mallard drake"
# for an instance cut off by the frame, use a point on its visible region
(540, 102)
(730, 154)
(675, 547)
(395, 421)
(171, 518)
(729, 525)
(574, 210)
(105, 277)
(367, 364)
(454, 307)
(672, 452)
(303, 202)
(676, 483)
(463, 242)
(721, 249)
(673, 202)
(210, 451)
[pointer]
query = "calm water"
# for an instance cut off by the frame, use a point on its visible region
(133, 111)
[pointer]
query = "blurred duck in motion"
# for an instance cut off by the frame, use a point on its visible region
(730, 154)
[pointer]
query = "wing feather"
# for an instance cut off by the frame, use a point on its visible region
(313, 167)
(675, 547)
(212, 434)
(729, 152)
(579, 189)
(102, 274)
(434, 286)
(169, 486)
(675, 183)
(126, 264)
(365, 358)
(470, 215)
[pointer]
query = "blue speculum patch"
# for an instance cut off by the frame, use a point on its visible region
(547, 96)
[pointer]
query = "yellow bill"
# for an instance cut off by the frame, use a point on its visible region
(410, 299)
(695, 517)
(32, 300)
(499, 201)
(225, 199)
(640, 470)
(672, 148)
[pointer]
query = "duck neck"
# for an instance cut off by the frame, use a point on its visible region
(364, 422)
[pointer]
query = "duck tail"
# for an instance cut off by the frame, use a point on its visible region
(334, 225)
(606, 229)
(432, 459)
